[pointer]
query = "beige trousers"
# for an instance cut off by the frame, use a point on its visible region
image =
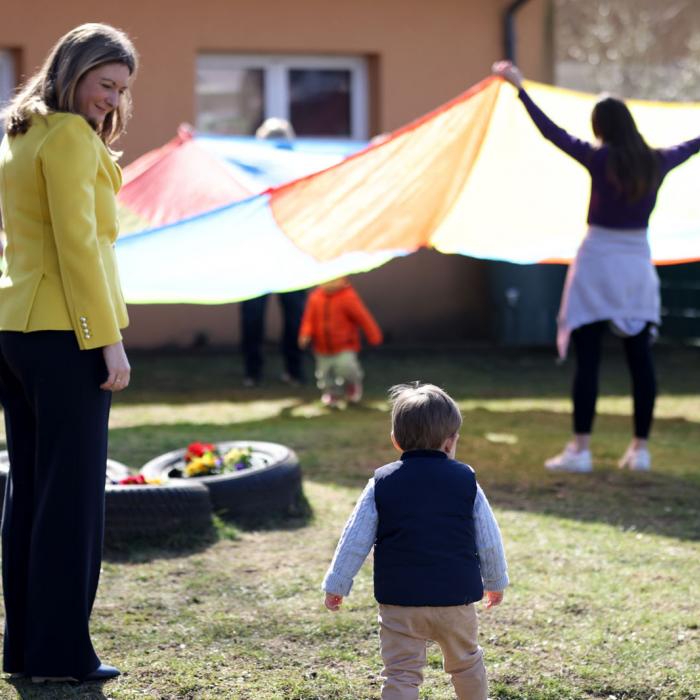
(403, 633)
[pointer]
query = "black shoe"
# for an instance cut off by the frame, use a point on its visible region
(103, 673)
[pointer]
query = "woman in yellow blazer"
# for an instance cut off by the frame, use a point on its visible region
(61, 353)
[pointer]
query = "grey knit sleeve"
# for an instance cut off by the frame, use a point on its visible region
(489, 545)
(354, 545)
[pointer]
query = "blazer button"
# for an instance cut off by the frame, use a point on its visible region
(83, 319)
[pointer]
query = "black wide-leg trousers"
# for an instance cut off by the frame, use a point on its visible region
(53, 522)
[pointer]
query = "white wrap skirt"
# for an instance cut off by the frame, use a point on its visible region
(611, 279)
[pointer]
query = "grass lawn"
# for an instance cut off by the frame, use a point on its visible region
(604, 601)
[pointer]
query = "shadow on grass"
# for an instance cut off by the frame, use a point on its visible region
(344, 449)
(195, 376)
(27, 690)
(665, 501)
(648, 502)
(298, 517)
(146, 548)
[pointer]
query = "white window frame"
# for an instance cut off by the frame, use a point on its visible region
(276, 67)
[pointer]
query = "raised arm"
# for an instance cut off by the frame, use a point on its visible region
(677, 155)
(580, 150)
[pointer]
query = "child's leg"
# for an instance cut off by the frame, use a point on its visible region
(403, 651)
(324, 373)
(456, 631)
(335, 379)
(349, 373)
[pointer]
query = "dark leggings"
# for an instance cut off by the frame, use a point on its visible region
(587, 341)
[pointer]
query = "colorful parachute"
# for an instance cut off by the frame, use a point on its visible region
(473, 177)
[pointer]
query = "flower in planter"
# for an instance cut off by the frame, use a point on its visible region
(204, 459)
(238, 458)
(139, 480)
(208, 463)
(199, 449)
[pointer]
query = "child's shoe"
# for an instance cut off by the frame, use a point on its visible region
(636, 459)
(353, 392)
(328, 399)
(570, 460)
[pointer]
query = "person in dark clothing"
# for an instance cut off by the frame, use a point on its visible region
(253, 335)
(437, 547)
(291, 303)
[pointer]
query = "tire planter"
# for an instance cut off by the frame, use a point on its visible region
(145, 511)
(270, 487)
(156, 512)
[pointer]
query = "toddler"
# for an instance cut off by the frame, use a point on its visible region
(437, 547)
(331, 323)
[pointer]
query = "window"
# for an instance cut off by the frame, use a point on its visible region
(319, 95)
(7, 77)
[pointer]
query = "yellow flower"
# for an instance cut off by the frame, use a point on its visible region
(199, 466)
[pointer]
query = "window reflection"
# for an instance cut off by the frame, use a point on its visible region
(230, 100)
(319, 102)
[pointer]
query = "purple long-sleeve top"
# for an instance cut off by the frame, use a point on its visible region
(608, 206)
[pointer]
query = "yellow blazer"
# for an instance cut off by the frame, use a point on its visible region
(57, 192)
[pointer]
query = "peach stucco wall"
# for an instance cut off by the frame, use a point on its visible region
(422, 54)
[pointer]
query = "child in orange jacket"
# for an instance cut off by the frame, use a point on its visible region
(331, 323)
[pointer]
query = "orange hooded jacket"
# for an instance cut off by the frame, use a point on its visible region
(332, 320)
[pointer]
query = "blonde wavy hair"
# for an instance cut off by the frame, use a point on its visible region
(53, 87)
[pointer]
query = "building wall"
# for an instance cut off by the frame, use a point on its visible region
(421, 55)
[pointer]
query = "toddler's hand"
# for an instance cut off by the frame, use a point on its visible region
(493, 598)
(333, 601)
(304, 341)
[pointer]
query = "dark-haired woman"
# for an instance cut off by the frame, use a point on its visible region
(61, 351)
(612, 281)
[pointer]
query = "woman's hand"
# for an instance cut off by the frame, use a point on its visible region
(508, 72)
(118, 368)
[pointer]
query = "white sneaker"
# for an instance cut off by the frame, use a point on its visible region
(571, 461)
(637, 459)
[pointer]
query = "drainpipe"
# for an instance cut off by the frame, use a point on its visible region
(509, 29)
